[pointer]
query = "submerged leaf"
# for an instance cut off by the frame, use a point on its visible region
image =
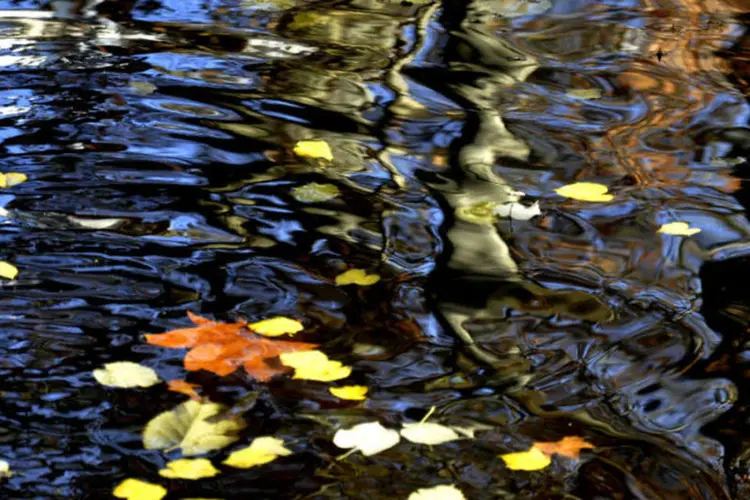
(315, 193)
(442, 492)
(369, 438)
(8, 271)
(429, 433)
(356, 277)
(585, 191)
(532, 459)
(126, 374)
(274, 327)
(135, 489)
(314, 149)
(482, 213)
(678, 229)
(351, 392)
(585, 93)
(189, 426)
(315, 365)
(261, 451)
(189, 468)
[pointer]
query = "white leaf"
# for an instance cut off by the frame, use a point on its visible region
(428, 433)
(518, 211)
(126, 374)
(442, 492)
(369, 438)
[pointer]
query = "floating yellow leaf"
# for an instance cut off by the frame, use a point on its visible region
(274, 327)
(315, 193)
(314, 149)
(369, 438)
(585, 191)
(189, 426)
(442, 492)
(314, 365)
(8, 270)
(429, 433)
(11, 179)
(126, 374)
(352, 392)
(678, 228)
(135, 489)
(356, 277)
(532, 459)
(5, 469)
(189, 468)
(261, 451)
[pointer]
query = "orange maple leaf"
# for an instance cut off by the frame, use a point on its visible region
(569, 446)
(221, 348)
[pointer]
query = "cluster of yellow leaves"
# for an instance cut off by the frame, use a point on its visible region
(539, 455)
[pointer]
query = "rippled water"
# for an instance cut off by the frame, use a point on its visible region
(158, 135)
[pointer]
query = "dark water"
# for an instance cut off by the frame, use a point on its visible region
(158, 135)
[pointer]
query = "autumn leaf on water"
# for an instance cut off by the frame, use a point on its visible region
(135, 489)
(585, 191)
(221, 348)
(370, 438)
(538, 456)
(315, 365)
(442, 492)
(356, 277)
(262, 450)
(350, 392)
(11, 179)
(276, 326)
(678, 229)
(317, 149)
(189, 468)
(126, 374)
(8, 270)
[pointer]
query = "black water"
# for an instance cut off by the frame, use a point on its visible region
(157, 137)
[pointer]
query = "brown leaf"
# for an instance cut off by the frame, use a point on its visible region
(569, 446)
(221, 348)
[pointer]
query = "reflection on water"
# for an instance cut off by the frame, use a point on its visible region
(157, 136)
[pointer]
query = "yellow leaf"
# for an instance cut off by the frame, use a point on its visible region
(678, 228)
(8, 270)
(442, 492)
(314, 149)
(352, 392)
(126, 374)
(532, 459)
(356, 277)
(5, 469)
(585, 191)
(314, 192)
(189, 468)
(261, 451)
(274, 327)
(585, 93)
(189, 426)
(135, 489)
(11, 179)
(315, 365)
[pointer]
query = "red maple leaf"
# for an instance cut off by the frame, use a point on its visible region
(221, 348)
